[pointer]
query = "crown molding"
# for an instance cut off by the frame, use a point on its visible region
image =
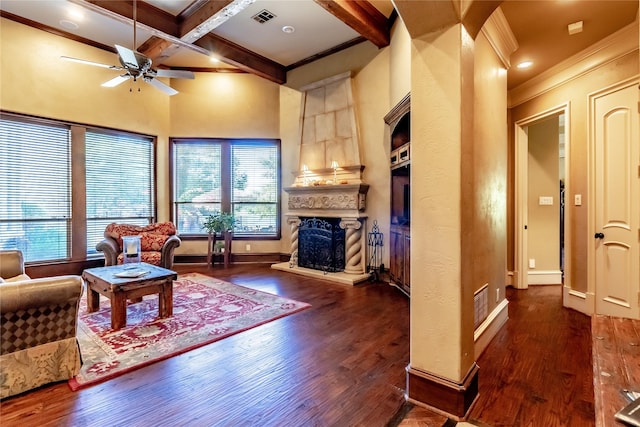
(609, 49)
(496, 29)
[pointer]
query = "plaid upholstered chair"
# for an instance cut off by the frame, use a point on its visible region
(38, 319)
(158, 242)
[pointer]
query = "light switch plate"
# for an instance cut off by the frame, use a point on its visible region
(577, 200)
(545, 200)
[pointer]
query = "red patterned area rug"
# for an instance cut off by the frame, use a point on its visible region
(205, 310)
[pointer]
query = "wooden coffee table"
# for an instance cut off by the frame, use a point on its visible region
(105, 281)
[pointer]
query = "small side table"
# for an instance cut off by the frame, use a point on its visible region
(211, 243)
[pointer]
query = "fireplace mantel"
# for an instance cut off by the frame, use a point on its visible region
(335, 201)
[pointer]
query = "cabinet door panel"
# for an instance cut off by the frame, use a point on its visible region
(407, 259)
(396, 269)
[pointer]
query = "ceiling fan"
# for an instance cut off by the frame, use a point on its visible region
(137, 66)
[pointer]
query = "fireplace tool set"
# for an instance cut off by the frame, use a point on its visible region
(375, 243)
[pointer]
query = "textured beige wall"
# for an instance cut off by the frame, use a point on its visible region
(543, 181)
(371, 107)
(231, 105)
(400, 62)
(489, 251)
(35, 80)
(290, 134)
(351, 59)
(576, 92)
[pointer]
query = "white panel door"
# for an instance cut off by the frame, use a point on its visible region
(616, 140)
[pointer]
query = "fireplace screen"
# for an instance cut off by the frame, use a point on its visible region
(321, 244)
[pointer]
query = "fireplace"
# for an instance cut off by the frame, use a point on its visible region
(328, 230)
(321, 244)
(327, 201)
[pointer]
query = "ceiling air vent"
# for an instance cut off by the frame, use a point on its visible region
(263, 16)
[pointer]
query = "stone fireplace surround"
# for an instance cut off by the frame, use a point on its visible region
(344, 201)
(328, 181)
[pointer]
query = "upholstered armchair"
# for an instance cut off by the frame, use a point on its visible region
(38, 319)
(158, 242)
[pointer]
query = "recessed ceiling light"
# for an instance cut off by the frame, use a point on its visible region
(75, 13)
(288, 29)
(69, 25)
(214, 59)
(524, 64)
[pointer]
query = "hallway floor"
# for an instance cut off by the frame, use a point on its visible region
(537, 371)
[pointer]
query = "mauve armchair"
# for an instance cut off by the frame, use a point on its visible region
(158, 241)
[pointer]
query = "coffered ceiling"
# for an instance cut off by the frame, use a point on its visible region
(270, 37)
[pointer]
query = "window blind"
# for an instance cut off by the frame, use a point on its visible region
(119, 182)
(35, 188)
(254, 190)
(197, 184)
(238, 176)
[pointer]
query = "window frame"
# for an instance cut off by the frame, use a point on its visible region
(68, 217)
(226, 185)
(77, 226)
(153, 212)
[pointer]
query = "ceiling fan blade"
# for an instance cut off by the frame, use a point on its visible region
(116, 81)
(161, 86)
(95, 64)
(176, 74)
(128, 57)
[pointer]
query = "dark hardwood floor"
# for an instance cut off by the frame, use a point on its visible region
(616, 364)
(537, 371)
(339, 363)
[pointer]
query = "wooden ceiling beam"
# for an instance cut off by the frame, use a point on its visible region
(243, 58)
(363, 17)
(169, 31)
(146, 14)
(201, 20)
(156, 48)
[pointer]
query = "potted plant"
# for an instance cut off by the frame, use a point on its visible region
(219, 222)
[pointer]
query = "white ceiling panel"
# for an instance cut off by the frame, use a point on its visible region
(316, 30)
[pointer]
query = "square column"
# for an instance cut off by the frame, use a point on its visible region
(442, 374)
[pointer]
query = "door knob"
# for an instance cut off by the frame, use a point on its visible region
(599, 236)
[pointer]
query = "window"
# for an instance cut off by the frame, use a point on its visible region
(120, 181)
(238, 176)
(62, 183)
(35, 188)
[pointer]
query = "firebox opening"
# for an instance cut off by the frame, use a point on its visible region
(321, 244)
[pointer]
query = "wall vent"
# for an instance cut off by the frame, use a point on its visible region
(480, 305)
(263, 16)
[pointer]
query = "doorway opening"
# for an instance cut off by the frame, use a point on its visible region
(541, 185)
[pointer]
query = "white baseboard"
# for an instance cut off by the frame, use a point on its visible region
(544, 277)
(490, 327)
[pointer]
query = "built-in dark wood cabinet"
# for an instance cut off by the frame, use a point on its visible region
(399, 122)
(400, 257)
